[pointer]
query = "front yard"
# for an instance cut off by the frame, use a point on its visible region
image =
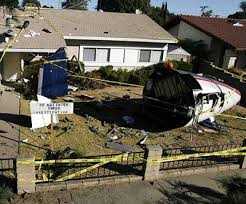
(87, 131)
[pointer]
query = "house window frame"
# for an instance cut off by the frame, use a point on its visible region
(151, 52)
(95, 54)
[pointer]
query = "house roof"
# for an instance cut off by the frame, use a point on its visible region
(45, 42)
(220, 28)
(174, 49)
(93, 25)
(81, 25)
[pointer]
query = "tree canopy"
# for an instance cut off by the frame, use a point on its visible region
(243, 6)
(124, 6)
(9, 3)
(75, 4)
(240, 14)
(160, 14)
(31, 2)
(206, 12)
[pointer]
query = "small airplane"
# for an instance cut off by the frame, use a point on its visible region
(186, 97)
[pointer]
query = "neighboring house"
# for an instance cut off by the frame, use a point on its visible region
(178, 53)
(96, 38)
(225, 38)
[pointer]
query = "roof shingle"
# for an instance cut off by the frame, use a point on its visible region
(220, 28)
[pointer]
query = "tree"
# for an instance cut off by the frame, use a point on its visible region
(31, 2)
(124, 6)
(240, 14)
(243, 6)
(9, 3)
(75, 4)
(45, 6)
(205, 12)
(160, 15)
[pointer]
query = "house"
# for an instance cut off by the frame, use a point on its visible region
(178, 53)
(225, 38)
(96, 38)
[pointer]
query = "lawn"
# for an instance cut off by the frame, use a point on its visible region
(85, 132)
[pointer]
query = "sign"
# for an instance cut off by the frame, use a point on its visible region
(52, 108)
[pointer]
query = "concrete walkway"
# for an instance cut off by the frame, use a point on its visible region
(9, 128)
(199, 189)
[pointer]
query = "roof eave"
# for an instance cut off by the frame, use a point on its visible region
(32, 50)
(120, 39)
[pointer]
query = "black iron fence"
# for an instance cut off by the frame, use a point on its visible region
(200, 161)
(8, 171)
(126, 165)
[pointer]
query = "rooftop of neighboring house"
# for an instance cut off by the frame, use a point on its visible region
(230, 31)
(79, 25)
(177, 50)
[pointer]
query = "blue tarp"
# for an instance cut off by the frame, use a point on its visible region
(54, 76)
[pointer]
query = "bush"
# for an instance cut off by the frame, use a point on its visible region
(5, 192)
(76, 67)
(184, 66)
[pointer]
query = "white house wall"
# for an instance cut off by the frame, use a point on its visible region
(72, 51)
(123, 55)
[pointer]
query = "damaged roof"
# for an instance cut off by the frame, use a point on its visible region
(79, 25)
(230, 31)
(44, 41)
(103, 25)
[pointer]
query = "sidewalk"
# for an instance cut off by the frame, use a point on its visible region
(199, 189)
(9, 128)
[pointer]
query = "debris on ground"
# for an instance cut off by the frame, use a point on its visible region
(120, 147)
(72, 88)
(69, 99)
(85, 97)
(143, 140)
(25, 141)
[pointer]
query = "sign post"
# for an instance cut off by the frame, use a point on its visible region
(52, 136)
(51, 109)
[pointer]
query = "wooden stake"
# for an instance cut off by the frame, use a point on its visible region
(52, 137)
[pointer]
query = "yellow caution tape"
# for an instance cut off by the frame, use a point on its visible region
(232, 152)
(90, 168)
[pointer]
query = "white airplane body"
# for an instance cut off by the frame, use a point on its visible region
(188, 97)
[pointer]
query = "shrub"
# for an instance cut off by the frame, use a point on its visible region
(76, 67)
(184, 66)
(5, 192)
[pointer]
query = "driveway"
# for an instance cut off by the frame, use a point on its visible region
(9, 128)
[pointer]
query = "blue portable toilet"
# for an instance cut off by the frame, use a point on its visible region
(53, 75)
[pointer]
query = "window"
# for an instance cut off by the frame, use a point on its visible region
(150, 56)
(156, 56)
(89, 54)
(144, 56)
(100, 55)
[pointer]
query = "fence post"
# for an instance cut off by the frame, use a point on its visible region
(25, 172)
(152, 169)
(243, 160)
